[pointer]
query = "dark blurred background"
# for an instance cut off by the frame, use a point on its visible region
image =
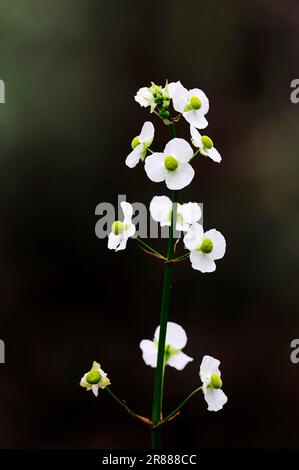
(71, 70)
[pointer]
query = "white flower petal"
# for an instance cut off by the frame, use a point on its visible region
(134, 157)
(123, 242)
(172, 88)
(181, 224)
(143, 97)
(202, 262)
(179, 360)
(195, 137)
(191, 212)
(113, 241)
(179, 149)
(155, 168)
(149, 352)
(209, 365)
(160, 209)
(181, 177)
(219, 244)
(196, 118)
(127, 209)
(203, 99)
(130, 230)
(95, 390)
(175, 335)
(147, 133)
(214, 155)
(194, 237)
(96, 366)
(179, 95)
(215, 399)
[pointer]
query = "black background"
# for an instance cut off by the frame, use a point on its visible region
(71, 70)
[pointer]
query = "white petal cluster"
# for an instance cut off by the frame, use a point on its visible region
(161, 209)
(94, 379)
(205, 247)
(212, 383)
(205, 145)
(140, 144)
(192, 104)
(122, 231)
(176, 340)
(153, 97)
(172, 165)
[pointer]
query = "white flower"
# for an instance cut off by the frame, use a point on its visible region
(172, 165)
(140, 144)
(153, 96)
(205, 145)
(122, 231)
(176, 340)
(144, 97)
(193, 104)
(187, 214)
(95, 379)
(212, 383)
(204, 248)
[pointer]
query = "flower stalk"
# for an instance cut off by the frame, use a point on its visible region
(123, 405)
(159, 378)
(171, 166)
(176, 412)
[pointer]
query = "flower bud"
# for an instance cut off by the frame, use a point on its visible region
(135, 142)
(216, 381)
(117, 227)
(195, 102)
(207, 142)
(171, 164)
(93, 377)
(166, 102)
(164, 114)
(206, 246)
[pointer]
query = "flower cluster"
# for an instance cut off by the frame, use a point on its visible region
(174, 166)
(176, 340)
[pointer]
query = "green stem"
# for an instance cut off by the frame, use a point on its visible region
(174, 412)
(148, 247)
(121, 403)
(181, 258)
(159, 378)
(196, 153)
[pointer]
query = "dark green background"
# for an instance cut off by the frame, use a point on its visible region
(71, 70)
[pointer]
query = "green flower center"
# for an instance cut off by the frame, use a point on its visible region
(117, 227)
(207, 142)
(171, 164)
(216, 381)
(135, 142)
(206, 246)
(195, 102)
(93, 377)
